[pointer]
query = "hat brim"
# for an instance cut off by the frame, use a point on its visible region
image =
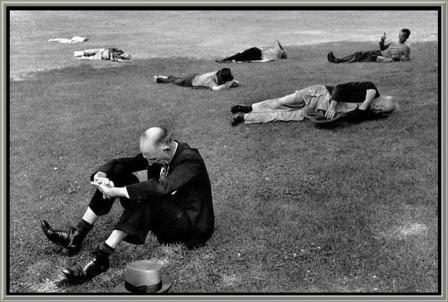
(166, 284)
(323, 120)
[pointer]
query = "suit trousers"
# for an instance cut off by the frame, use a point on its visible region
(186, 81)
(161, 216)
(251, 54)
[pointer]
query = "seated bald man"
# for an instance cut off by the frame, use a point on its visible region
(174, 203)
(357, 100)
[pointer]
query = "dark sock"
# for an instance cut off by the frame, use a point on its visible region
(107, 249)
(83, 226)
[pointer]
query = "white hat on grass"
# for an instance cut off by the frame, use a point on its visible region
(143, 277)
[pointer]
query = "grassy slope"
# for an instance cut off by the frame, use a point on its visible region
(299, 208)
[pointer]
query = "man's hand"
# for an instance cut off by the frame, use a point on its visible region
(103, 183)
(383, 38)
(331, 112)
(99, 175)
(235, 83)
(107, 190)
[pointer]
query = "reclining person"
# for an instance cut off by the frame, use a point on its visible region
(215, 80)
(258, 55)
(390, 51)
(359, 100)
(113, 54)
(74, 39)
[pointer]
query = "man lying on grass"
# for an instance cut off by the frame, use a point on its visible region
(389, 51)
(357, 100)
(112, 54)
(257, 55)
(175, 203)
(215, 80)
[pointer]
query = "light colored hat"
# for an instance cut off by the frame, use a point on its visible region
(143, 277)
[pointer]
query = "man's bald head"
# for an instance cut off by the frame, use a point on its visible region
(157, 145)
(156, 136)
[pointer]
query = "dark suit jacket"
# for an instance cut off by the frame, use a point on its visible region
(187, 185)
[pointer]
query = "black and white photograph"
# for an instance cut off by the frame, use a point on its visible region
(230, 149)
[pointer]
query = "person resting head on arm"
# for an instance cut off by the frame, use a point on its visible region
(216, 80)
(361, 99)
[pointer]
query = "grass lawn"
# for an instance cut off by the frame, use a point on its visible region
(299, 209)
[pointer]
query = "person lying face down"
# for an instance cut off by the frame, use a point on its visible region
(258, 55)
(113, 54)
(361, 99)
(215, 80)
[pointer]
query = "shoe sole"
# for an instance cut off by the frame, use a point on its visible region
(70, 279)
(78, 280)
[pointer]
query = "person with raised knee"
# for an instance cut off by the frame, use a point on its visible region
(174, 203)
(257, 55)
(390, 51)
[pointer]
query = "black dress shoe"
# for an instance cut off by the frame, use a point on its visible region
(331, 58)
(237, 120)
(98, 265)
(69, 240)
(240, 108)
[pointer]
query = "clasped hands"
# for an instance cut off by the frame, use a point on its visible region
(104, 184)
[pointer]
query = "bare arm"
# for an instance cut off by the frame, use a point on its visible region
(226, 85)
(331, 112)
(370, 95)
(382, 45)
(407, 55)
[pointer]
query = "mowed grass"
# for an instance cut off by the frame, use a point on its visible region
(299, 209)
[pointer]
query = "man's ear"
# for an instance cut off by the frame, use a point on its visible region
(166, 148)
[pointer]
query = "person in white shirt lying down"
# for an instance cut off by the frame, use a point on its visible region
(112, 54)
(215, 80)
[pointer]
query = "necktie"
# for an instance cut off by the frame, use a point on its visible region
(163, 174)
